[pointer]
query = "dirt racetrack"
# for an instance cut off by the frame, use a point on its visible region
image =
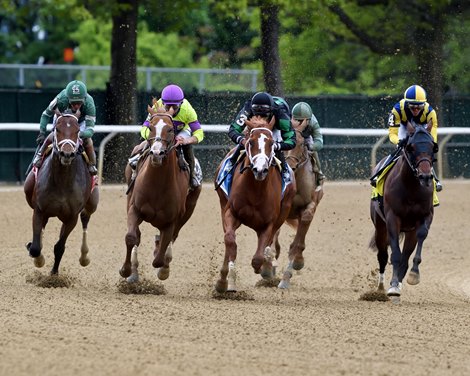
(317, 327)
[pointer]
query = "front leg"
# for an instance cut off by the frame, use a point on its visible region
(132, 239)
(35, 246)
(422, 233)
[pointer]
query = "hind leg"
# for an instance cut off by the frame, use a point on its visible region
(59, 247)
(408, 247)
(85, 215)
(132, 239)
(422, 233)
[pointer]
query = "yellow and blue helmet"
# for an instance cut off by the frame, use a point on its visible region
(415, 94)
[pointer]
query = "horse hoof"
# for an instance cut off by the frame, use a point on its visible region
(283, 284)
(133, 278)
(163, 273)
(221, 286)
(413, 278)
(39, 261)
(298, 264)
(84, 261)
(125, 272)
(394, 291)
(267, 272)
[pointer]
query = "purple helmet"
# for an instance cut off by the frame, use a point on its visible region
(172, 94)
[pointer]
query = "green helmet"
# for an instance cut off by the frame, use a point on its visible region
(302, 111)
(76, 91)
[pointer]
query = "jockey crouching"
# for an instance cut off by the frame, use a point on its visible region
(75, 99)
(188, 131)
(264, 105)
(312, 135)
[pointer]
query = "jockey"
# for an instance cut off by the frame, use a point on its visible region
(414, 108)
(73, 98)
(265, 105)
(312, 134)
(187, 127)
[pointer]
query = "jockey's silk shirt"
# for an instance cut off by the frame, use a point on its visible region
(184, 120)
(399, 116)
(61, 102)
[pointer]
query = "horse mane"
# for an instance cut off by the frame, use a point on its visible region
(260, 122)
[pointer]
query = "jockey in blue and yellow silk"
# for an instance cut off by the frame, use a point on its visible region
(413, 108)
(188, 130)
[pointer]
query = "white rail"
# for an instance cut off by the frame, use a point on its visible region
(113, 130)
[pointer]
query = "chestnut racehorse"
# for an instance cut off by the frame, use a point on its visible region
(61, 188)
(304, 205)
(407, 208)
(256, 200)
(160, 195)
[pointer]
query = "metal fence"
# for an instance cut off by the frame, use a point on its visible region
(32, 76)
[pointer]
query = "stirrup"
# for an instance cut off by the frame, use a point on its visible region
(438, 186)
(373, 182)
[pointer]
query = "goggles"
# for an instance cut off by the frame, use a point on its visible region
(416, 106)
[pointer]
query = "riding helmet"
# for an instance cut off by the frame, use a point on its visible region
(415, 94)
(172, 94)
(262, 104)
(76, 91)
(302, 111)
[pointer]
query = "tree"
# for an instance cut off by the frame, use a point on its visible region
(411, 27)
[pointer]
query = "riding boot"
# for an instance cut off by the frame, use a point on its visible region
(38, 158)
(317, 168)
(90, 152)
(189, 156)
(438, 183)
(285, 169)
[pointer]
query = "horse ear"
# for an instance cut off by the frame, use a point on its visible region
(150, 110)
(429, 126)
(409, 128)
(272, 122)
(249, 124)
(154, 101)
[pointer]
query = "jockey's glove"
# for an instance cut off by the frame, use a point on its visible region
(401, 143)
(40, 138)
(277, 146)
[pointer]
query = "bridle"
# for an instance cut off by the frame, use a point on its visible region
(254, 158)
(409, 157)
(170, 141)
(58, 146)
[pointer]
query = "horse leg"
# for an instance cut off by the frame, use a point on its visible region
(409, 245)
(59, 247)
(395, 284)
(262, 259)
(162, 252)
(277, 248)
(422, 233)
(35, 246)
(164, 271)
(230, 225)
(379, 242)
(132, 239)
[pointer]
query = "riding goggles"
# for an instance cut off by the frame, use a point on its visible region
(416, 106)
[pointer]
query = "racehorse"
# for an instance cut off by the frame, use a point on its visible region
(304, 204)
(407, 208)
(63, 188)
(160, 196)
(256, 200)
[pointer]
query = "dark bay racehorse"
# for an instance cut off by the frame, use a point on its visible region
(304, 204)
(63, 188)
(407, 208)
(160, 196)
(256, 201)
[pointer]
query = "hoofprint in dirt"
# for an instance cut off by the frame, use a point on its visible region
(319, 326)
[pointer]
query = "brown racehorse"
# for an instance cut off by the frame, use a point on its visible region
(407, 208)
(304, 205)
(160, 196)
(256, 201)
(61, 188)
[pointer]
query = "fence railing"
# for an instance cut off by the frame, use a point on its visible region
(31, 76)
(113, 130)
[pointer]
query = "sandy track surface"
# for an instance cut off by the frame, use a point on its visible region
(318, 327)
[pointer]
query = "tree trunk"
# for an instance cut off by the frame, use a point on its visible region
(270, 27)
(121, 90)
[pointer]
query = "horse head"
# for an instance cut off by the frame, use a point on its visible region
(419, 152)
(66, 136)
(298, 155)
(162, 134)
(260, 151)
